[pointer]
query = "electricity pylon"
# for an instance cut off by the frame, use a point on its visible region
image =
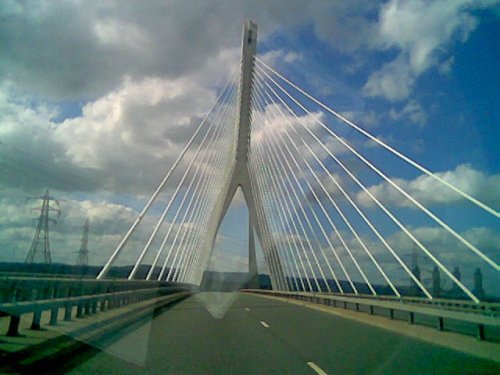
(83, 253)
(42, 244)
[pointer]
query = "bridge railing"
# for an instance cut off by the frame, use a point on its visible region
(485, 315)
(25, 288)
(448, 304)
(88, 302)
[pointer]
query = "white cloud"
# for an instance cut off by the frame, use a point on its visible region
(445, 67)
(292, 57)
(412, 110)
(367, 119)
(428, 191)
(84, 49)
(142, 120)
(447, 249)
(393, 81)
(421, 32)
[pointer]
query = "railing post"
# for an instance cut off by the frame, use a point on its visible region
(35, 324)
(440, 323)
(371, 310)
(53, 316)
(79, 310)
(13, 298)
(480, 332)
(411, 318)
(13, 330)
(391, 314)
(87, 308)
(67, 312)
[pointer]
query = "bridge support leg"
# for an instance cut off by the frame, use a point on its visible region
(94, 307)
(87, 308)
(35, 324)
(53, 316)
(103, 305)
(253, 274)
(13, 330)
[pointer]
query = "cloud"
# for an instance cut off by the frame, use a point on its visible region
(445, 67)
(123, 141)
(367, 119)
(446, 248)
(393, 81)
(413, 111)
(428, 191)
(420, 32)
(280, 56)
(149, 118)
(30, 156)
(345, 25)
(83, 50)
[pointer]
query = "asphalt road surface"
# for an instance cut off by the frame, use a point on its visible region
(224, 333)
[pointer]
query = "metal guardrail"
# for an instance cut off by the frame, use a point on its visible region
(449, 304)
(85, 305)
(21, 288)
(488, 317)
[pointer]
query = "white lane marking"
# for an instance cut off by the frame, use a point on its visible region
(247, 309)
(316, 368)
(264, 324)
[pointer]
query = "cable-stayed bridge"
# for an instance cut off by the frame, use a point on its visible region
(327, 235)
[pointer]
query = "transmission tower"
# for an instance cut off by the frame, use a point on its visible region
(42, 244)
(83, 253)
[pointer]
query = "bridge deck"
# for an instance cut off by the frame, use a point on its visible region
(236, 333)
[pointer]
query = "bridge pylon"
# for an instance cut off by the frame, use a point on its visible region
(240, 177)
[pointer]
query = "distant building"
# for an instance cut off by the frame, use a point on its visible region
(436, 283)
(478, 284)
(455, 289)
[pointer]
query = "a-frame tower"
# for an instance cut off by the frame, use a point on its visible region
(240, 176)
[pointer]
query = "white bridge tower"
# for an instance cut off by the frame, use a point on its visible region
(239, 176)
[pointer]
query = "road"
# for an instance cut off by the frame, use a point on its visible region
(224, 333)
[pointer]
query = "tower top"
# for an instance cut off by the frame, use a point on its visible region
(248, 50)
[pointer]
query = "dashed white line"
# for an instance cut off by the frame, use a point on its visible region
(247, 309)
(264, 324)
(316, 368)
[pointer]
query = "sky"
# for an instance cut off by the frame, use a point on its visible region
(97, 99)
